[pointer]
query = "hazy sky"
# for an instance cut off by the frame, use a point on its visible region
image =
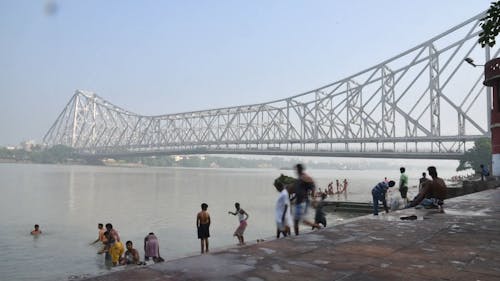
(158, 57)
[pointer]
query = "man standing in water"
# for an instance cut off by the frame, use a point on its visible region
(100, 235)
(203, 225)
(113, 232)
(242, 218)
(36, 231)
(303, 186)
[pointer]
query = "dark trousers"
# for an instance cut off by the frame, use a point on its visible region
(378, 197)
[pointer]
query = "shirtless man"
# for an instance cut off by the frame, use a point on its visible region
(100, 235)
(344, 189)
(131, 255)
(433, 192)
(113, 232)
(36, 231)
(203, 225)
(115, 237)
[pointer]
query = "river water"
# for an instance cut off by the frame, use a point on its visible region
(68, 202)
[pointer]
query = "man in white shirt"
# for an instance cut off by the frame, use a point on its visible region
(283, 215)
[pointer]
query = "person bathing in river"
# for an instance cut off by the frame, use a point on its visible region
(242, 218)
(115, 248)
(330, 188)
(344, 189)
(131, 255)
(36, 231)
(101, 237)
(113, 232)
(100, 234)
(152, 248)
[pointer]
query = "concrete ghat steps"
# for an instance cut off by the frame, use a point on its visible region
(353, 207)
(460, 244)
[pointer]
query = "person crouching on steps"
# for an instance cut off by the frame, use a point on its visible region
(378, 194)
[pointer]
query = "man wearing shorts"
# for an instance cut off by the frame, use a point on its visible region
(203, 226)
(242, 219)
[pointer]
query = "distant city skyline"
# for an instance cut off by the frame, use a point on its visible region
(160, 57)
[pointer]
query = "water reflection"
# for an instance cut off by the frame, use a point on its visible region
(71, 188)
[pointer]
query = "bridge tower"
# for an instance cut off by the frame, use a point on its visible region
(492, 79)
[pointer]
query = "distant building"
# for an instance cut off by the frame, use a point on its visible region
(28, 145)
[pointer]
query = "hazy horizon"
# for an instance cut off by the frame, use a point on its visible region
(161, 57)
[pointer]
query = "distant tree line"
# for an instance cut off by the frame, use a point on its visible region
(58, 154)
(479, 154)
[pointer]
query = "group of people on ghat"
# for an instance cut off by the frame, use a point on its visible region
(341, 188)
(431, 193)
(301, 191)
(203, 225)
(304, 188)
(114, 249)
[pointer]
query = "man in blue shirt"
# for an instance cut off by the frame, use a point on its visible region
(378, 194)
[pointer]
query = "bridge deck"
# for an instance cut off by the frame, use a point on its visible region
(461, 244)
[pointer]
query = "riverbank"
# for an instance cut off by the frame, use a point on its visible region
(461, 244)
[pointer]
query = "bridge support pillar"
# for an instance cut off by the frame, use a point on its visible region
(492, 79)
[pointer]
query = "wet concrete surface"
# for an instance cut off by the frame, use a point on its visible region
(461, 244)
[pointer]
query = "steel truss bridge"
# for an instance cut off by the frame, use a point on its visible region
(423, 103)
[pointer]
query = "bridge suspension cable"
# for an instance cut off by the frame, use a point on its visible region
(423, 103)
